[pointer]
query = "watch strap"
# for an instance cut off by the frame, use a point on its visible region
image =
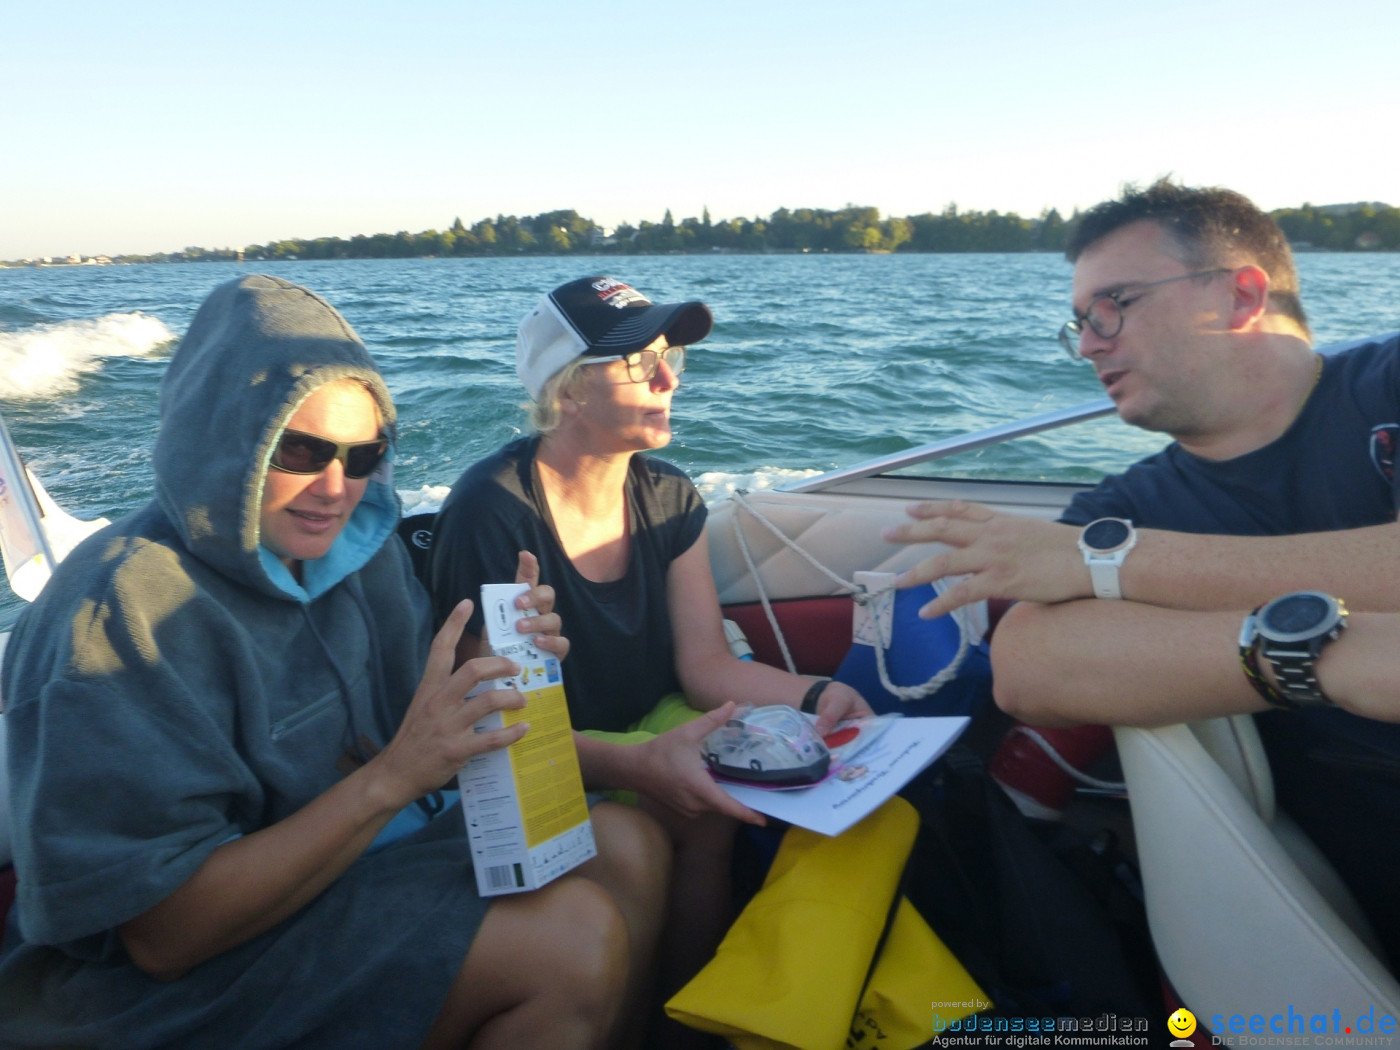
(1297, 675)
(1103, 574)
(1249, 661)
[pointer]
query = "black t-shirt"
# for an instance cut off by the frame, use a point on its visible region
(1336, 773)
(622, 658)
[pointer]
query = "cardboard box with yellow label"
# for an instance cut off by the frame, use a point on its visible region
(527, 818)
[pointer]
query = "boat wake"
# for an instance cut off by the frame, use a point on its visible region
(48, 359)
(425, 500)
(716, 486)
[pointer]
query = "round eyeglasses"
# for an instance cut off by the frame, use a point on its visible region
(642, 365)
(1105, 313)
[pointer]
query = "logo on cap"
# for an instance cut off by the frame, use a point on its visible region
(618, 295)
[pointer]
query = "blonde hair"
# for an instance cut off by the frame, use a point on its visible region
(545, 414)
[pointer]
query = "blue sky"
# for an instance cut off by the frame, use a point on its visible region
(151, 125)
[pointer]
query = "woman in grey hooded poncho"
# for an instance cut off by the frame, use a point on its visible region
(215, 710)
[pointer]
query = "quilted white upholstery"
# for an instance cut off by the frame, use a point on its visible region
(1246, 916)
(840, 530)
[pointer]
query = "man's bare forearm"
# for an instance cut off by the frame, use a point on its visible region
(1182, 571)
(1029, 559)
(1123, 663)
(1118, 663)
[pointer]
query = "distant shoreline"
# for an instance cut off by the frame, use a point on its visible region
(123, 261)
(1361, 227)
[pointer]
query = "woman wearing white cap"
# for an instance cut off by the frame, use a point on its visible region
(621, 538)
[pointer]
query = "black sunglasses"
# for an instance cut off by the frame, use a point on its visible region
(300, 453)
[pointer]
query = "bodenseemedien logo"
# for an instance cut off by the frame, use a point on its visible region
(1105, 1030)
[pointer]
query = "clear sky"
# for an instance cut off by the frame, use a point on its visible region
(148, 125)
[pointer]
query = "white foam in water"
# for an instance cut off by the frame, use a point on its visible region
(48, 359)
(716, 486)
(426, 500)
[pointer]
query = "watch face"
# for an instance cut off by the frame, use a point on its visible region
(1296, 614)
(1106, 534)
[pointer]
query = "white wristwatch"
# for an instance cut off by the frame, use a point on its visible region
(1105, 543)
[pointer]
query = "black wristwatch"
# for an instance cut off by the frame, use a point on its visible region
(1105, 543)
(1291, 632)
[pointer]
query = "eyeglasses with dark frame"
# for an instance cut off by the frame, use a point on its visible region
(298, 452)
(642, 365)
(1105, 313)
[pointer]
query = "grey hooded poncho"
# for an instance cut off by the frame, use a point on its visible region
(175, 687)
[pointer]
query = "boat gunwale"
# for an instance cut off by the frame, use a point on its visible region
(936, 450)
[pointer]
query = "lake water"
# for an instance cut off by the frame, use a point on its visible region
(816, 361)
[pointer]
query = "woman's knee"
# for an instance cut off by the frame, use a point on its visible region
(634, 847)
(584, 938)
(540, 941)
(554, 958)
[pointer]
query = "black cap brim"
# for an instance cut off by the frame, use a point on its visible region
(681, 323)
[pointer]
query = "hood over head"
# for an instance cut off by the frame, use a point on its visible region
(257, 348)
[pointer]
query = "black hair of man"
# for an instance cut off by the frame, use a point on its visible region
(1211, 225)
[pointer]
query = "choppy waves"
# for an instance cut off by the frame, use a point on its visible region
(48, 360)
(815, 362)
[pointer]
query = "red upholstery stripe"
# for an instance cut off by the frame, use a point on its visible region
(818, 632)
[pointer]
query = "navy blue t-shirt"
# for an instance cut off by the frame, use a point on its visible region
(1337, 775)
(1334, 468)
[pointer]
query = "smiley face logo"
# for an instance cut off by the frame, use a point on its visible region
(1182, 1023)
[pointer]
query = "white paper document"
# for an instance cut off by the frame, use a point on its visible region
(906, 748)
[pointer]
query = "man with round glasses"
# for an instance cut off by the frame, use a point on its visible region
(1280, 484)
(621, 538)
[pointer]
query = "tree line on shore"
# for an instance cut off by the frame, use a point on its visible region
(851, 229)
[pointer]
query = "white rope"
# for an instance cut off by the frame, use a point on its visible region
(762, 594)
(1059, 760)
(739, 495)
(860, 594)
